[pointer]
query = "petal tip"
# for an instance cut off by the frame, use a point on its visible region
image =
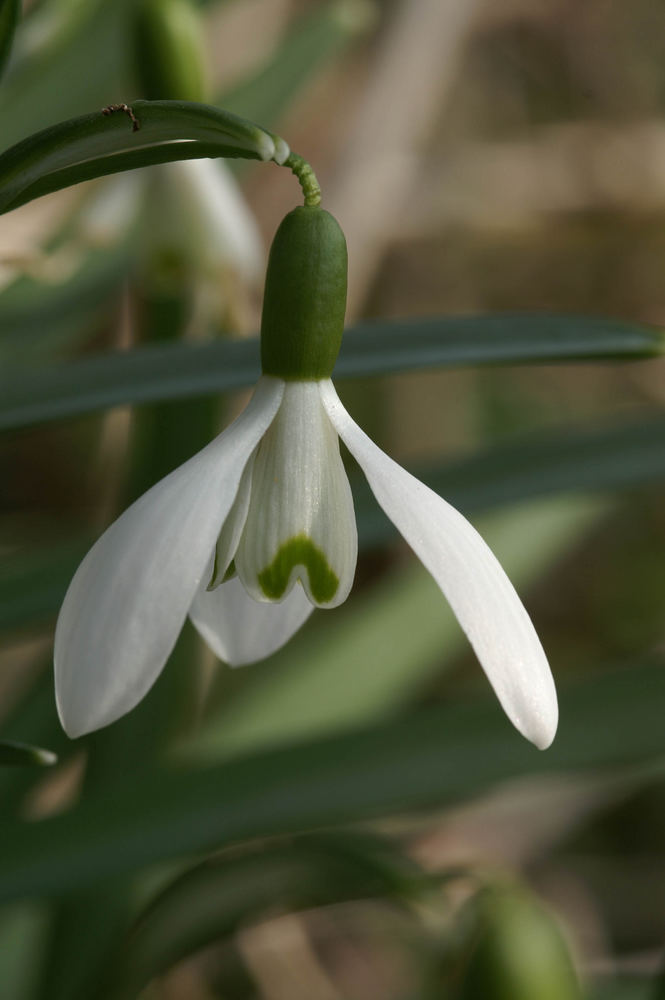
(72, 729)
(541, 727)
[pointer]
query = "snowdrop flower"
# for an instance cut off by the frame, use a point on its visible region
(258, 528)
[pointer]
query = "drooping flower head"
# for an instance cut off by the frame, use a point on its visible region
(256, 530)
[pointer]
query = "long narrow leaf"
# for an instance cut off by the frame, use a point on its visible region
(213, 900)
(82, 45)
(33, 585)
(176, 371)
(38, 320)
(33, 720)
(10, 11)
(121, 137)
(433, 758)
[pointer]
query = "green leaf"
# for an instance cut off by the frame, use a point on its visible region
(80, 43)
(37, 320)
(33, 585)
(107, 141)
(211, 901)
(385, 347)
(21, 754)
(434, 758)
(34, 719)
(10, 11)
(176, 371)
(21, 934)
(625, 988)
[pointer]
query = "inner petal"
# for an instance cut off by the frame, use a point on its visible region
(300, 525)
(229, 536)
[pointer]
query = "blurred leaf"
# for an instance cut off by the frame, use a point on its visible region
(213, 900)
(21, 932)
(404, 624)
(507, 946)
(628, 988)
(81, 44)
(22, 754)
(176, 371)
(309, 44)
(656, 988)
(386, 346)
(32, 585)
(97, 916)
(34, 719)
(10, 11)
(38, 319)
(103, 143)
(434, 758)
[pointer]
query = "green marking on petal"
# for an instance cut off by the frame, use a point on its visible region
(299, 551)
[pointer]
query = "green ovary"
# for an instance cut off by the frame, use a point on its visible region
(299, 551)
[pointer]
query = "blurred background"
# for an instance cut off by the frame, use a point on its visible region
(481, 157)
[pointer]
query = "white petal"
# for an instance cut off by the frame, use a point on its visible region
(479, 592)
(241, 630)
(206, 209)
(300, 507)
(130, 595)
(112, 208)
(231, 532)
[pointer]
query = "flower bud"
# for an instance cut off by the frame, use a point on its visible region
(305, 296)
(169, 51)
(512, 949)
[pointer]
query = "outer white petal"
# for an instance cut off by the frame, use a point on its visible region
(479, 592)
(241, 630)
(301, 495)
(130, 595)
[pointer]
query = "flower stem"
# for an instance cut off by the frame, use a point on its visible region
(308, 182)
